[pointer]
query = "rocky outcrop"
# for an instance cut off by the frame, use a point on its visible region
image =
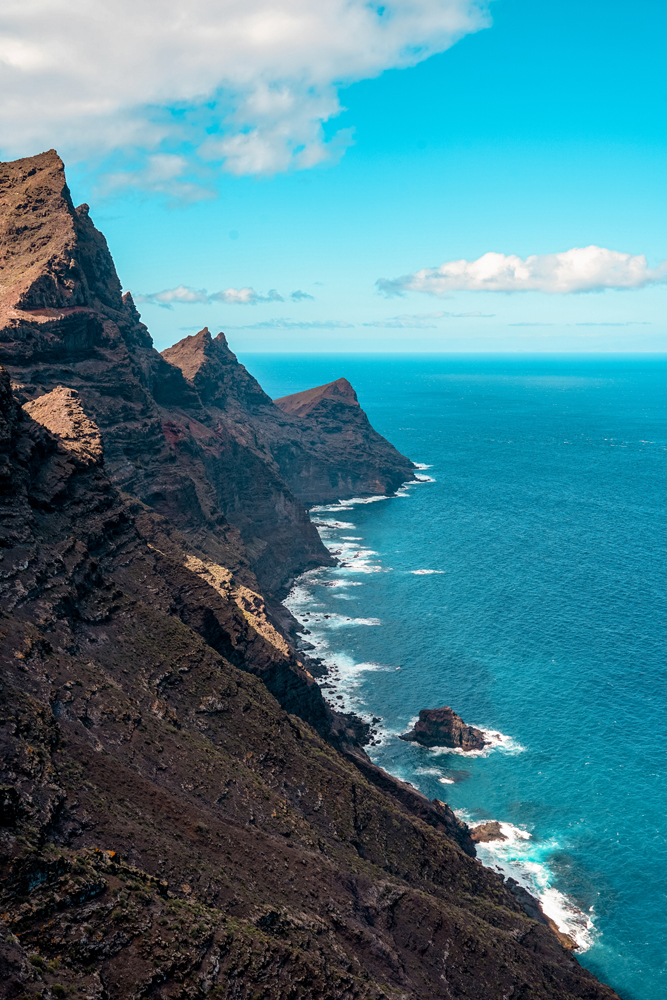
(64, 321)
(167, 827)
(441, 727)
(341, 455)
(483, 833)
(61, 412)
(181, 815)
(320, 442)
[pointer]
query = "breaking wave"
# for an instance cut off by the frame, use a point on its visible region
(522, 858)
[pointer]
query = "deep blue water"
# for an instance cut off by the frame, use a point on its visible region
(544, 619)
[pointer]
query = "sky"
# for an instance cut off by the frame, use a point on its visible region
(337, 175)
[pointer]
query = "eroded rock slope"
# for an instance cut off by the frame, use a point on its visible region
(181, 814)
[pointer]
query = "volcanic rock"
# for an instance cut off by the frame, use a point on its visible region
(181, 814)
(319, 442)
(441, 727)
(486, 832)
(340, 454)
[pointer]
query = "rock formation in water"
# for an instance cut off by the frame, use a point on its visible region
(483, 833)
(181, 813)
(441, 727)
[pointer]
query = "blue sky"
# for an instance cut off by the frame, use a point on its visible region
(540, 133)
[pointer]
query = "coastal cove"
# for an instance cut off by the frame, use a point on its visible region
(523, 583)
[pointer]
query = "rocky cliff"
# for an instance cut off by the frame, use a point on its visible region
(320, 441)
(181, 814)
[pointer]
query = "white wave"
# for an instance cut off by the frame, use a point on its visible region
(336, 525)
(521, 858)
(352, 557)
(360, 565)
(335, 621)
(352, 538)
(436, 773)
(320, 508)
(373, 499)
(425, 572)
(495, 742)
(423, 479)
(422, 465)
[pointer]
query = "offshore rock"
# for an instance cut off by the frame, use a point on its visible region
(486, 832)
(441, 727)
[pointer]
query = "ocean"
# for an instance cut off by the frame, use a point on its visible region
(523, 582)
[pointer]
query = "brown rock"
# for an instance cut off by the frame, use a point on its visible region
(486, 832)
(172, 821)
(320, 442)
(61, 413)
(330, 450)
(441, 727)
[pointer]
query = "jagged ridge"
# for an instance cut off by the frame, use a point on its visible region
(168, 827)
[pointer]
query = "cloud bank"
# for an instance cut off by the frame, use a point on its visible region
(183, 294)
(248, 83)
(293, 324)
(423, 321)
(582, 269)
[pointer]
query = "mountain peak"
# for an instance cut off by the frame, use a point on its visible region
(214, 370)
(51, 255)
(302, 404)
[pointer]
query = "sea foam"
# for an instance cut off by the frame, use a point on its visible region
(525, 860)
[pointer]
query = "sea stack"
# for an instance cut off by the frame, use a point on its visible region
(486, 832)
(441, 727)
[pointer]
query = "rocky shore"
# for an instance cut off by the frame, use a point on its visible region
(182, 815)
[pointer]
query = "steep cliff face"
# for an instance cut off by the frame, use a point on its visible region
(343, 455)
(166, 828)
(65, 321)
(320, 441)
(181, 813)
(274, 526)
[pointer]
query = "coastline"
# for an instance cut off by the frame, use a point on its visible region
(519, 857)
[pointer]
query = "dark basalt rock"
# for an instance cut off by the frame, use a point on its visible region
(181, 813)
(320, 442)
(441, 727)
(485, 832)
(331, 450)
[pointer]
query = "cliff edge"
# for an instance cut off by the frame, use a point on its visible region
(181, 813)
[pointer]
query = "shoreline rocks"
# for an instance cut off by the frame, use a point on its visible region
(442, 727)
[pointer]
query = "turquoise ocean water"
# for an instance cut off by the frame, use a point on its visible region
(523, 583)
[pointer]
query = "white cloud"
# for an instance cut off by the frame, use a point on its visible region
(247, 82)
(245, 296)
(162, 173)
(582, 269)
(293, 324)
(632, 322)
(424, 321)
(299, 296)
(192, 296)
